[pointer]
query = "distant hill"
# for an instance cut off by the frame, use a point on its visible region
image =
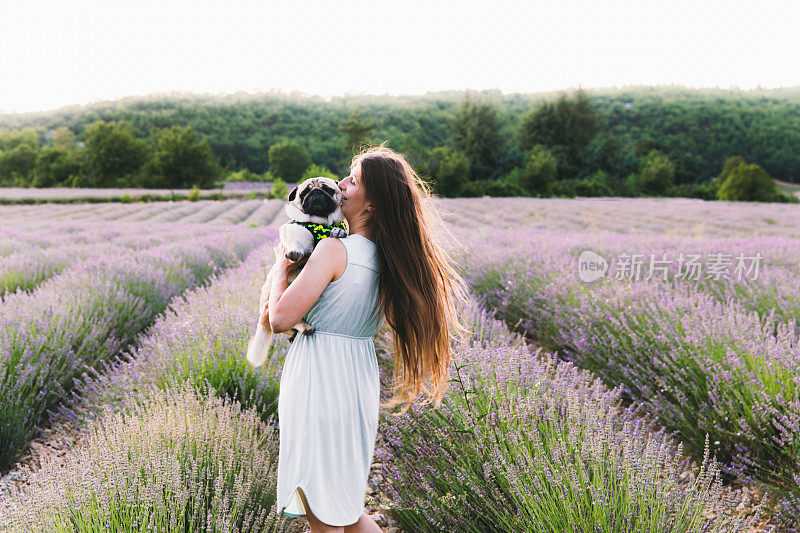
(701, 127)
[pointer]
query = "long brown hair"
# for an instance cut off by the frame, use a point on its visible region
(418, 288)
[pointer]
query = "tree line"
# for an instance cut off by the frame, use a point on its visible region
(660, 141)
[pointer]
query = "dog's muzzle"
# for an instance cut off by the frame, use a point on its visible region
(319, 203)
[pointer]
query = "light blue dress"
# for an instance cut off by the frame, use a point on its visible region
(329, 395)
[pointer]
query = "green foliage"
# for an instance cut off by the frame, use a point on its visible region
(477, 133)
(449, 171)
(113, 154)
(244, 175)
(126, 198)
(748, 183)
(357, 131)
(182, 159)
(63, 138)
(704, 191)
(279, 189)
(194, 194)
(288, 160)
(17, 164)
(506, 186)
(655, 176)
(56, 167)
(730, 164)
(697, 129)
(566, 127)
(539, 172)
(12, 138)
(598, 184)
(315, 171)
(609, 153)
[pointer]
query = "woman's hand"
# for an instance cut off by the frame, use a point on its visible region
(281, 261)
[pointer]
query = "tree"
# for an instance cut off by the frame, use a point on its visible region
(17, 164)
(288, 160)
(182, 159)
(566, 127)
(56, 167)
(449, 171)
(63, 138)
(730, 164)
(357, 130)
(748, 183)
(476, 133)
(539, 172)
(12, 138)
(113, 153)
(655, 176)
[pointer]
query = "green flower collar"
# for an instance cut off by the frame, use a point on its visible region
(320, 231)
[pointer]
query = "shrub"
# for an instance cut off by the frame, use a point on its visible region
(315, 171)
(194, 194)
(169, 460)
(279, 189)
(748, 183)
(243, 175)
(507, 186)
(703, 191)
(598, 184)
(525, 445)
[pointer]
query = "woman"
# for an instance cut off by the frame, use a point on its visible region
(388, 267)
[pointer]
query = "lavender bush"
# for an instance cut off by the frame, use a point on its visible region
(710, 359)
(203, 339)
(171, 460)
(88, 314)
(523, 446)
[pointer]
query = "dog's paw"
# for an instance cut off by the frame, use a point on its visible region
(338, 233)
(294, 255)
(310, 330)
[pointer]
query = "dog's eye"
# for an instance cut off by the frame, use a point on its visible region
(328, 189)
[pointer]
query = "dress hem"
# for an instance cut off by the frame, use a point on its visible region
(298, 486)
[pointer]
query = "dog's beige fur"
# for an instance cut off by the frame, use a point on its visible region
(299, 243)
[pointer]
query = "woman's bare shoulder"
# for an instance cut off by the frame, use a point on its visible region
(332, 252)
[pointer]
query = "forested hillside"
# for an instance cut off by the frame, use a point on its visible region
(695, 129)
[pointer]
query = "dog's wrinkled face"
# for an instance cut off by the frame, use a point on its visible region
(317, 196)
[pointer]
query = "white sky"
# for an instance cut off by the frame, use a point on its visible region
(64, 52)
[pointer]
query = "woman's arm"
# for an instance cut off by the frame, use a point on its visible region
(287, 306)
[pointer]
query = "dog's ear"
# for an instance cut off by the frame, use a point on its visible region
(293, 194)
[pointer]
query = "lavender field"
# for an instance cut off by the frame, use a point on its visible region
(587, 397)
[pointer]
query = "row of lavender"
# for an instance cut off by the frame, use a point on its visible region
(183, 436)
(185, 433)
(227, 212)
(31, 254)
(62, 332)
(714, 357)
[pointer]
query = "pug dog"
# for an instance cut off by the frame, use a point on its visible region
(315, 213)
